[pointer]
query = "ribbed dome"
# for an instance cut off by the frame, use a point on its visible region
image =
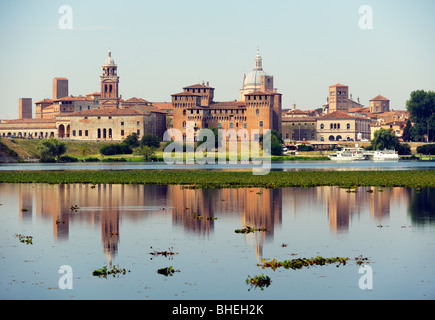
(109, 60)
(253, 78)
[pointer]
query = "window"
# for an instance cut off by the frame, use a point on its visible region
(348, 126)
(122, 132)
(86, 133)
(257, 112)
(138, 122)
(219, 125)
(231, 125)
(138, 132)
(80, 133)
(74, 133)
(122, 123)
(261, 123)
(245, 125)
(322, 126)
(99, 118)
(110, 117)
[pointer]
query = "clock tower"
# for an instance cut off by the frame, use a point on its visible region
(109, 84)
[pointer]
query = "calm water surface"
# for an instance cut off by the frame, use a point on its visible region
(117, 225)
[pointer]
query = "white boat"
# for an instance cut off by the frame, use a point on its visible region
(385, 155)
(348, 154)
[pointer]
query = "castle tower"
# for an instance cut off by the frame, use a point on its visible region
(109, 84)
(25, 108)
(338, 98)
(60, 88)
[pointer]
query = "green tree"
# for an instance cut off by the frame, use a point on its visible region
(132, 140)
(421, 107)
(276, 142)
(146, 152)
(384, 139)
(51, 149)
(150, 140)
(407, 132)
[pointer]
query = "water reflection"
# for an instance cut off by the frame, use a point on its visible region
(104, 206)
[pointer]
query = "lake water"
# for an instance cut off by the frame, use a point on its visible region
(278, 165)
(116, 225)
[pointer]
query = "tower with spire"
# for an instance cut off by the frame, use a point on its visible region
(257, 79)
(109, 84)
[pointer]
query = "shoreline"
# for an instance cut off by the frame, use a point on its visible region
(201, 178)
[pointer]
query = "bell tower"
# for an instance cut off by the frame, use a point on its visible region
(109, 84)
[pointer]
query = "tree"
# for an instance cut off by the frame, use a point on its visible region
(51, 149)
(276, 142)
(421, 107)
(146, 152)
(384, 139)
(407, 132)
(150, 140)
(132, 140)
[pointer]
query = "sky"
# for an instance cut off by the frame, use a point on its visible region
(162, 46)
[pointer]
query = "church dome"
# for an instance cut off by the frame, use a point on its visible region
(109, 60)
(253, 78)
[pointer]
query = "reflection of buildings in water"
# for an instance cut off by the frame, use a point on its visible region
(258, 208)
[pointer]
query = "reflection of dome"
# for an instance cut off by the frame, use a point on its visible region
(253, 78)
(109, 60)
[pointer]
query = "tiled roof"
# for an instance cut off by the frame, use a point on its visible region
(379, 97)
(94, 94)
(162, 105)
(298, 119)
(46, 100)
(196, 86)
(106, 112)
(338, 85)
(185, 93)
(72, 98)
(339, 115)
(136, 100)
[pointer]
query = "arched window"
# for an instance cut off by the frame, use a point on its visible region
(331, 138)
(257, 112)
(322, 126)
(322, 139)
(348, 126)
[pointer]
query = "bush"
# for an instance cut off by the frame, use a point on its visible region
(116, 148)
(150, 140)
(132, 140)
(68, 159)
(304, 147)
(426, 149)
(92, 160)
(403, 149)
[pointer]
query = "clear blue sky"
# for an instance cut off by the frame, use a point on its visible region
(161, 46)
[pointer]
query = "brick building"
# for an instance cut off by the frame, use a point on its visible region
(259, 106)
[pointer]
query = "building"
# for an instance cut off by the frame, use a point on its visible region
(96, 116)
(379, 104)
(259, 106)
(341, 126)
(299, 128)
(338, 99)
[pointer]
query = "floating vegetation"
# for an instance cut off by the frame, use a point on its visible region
(196, 216)
(248, 229)
(261, 281)
(24, 210)
(308, 262)
(170, 252)
(24, 239)
(229, 179)
(104, 272)
(60, 221)
(168, 271)
(74, 208)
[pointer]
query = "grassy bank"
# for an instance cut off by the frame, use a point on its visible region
(224, 179)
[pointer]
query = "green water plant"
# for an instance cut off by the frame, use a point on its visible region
(104, 272)
(300, 263)
(167, 253)
(261, 281)
(168, 271)
(248, 229)
(24, 239)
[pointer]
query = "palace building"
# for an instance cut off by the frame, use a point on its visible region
(259, 106)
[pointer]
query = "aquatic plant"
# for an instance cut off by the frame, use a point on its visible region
(170, 252)
(24, 239)
(104, 272)
(74, 208)
(168, 271)
(228, 179)
(308, 262)
(261, 281)
(248, 229)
